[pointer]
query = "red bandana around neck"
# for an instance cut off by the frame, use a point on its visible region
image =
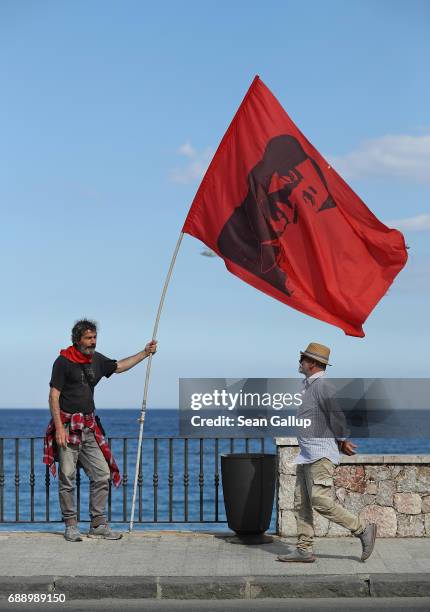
(73, 354)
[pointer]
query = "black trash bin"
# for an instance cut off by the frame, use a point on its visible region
(248, 483)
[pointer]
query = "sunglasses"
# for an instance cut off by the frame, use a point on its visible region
(304, 358)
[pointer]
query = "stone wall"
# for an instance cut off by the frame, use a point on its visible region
(392, 491)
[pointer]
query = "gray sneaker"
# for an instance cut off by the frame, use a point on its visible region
(367, 541)
(72, 533)
(105, 532)
(298, 556)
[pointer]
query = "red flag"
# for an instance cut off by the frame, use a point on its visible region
(286, 223)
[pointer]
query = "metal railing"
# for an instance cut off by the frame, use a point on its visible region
(178, 480)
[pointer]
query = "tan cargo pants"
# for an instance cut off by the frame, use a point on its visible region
(314, 489)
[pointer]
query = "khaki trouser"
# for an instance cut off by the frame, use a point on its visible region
(314, 489)
(91, 458)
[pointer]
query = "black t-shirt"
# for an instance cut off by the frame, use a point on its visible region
(76, 381)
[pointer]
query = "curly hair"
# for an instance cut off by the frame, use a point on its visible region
(80, 327)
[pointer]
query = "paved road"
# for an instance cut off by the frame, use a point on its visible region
(265, 605)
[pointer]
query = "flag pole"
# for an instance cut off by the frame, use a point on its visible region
(148, 372)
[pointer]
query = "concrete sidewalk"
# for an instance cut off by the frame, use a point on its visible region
(201, 565)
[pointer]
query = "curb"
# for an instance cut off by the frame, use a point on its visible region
(207, 587)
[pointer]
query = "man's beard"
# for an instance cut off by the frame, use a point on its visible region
(86, 351)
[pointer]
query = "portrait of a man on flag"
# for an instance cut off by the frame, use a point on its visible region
(284, 182)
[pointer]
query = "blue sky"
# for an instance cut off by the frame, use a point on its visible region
(110, 112)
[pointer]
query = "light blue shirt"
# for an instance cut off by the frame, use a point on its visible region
(312, 449)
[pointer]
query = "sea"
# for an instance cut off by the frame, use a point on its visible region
(164, 501)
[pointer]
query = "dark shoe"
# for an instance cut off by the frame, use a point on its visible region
(105, 532)
(367, 540)
(298, 556)
(72, 534)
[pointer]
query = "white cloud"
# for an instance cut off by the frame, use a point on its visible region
(187, 149)
(398, 155)
(208, 253)
(419, 223)
(194, 170)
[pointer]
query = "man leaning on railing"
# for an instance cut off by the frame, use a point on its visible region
(74, 432)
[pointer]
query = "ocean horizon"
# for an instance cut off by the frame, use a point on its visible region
(168, 470)
(164, 422)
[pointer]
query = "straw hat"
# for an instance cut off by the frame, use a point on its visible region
(317, 352)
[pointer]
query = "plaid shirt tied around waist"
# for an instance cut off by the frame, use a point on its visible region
(77, 422)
